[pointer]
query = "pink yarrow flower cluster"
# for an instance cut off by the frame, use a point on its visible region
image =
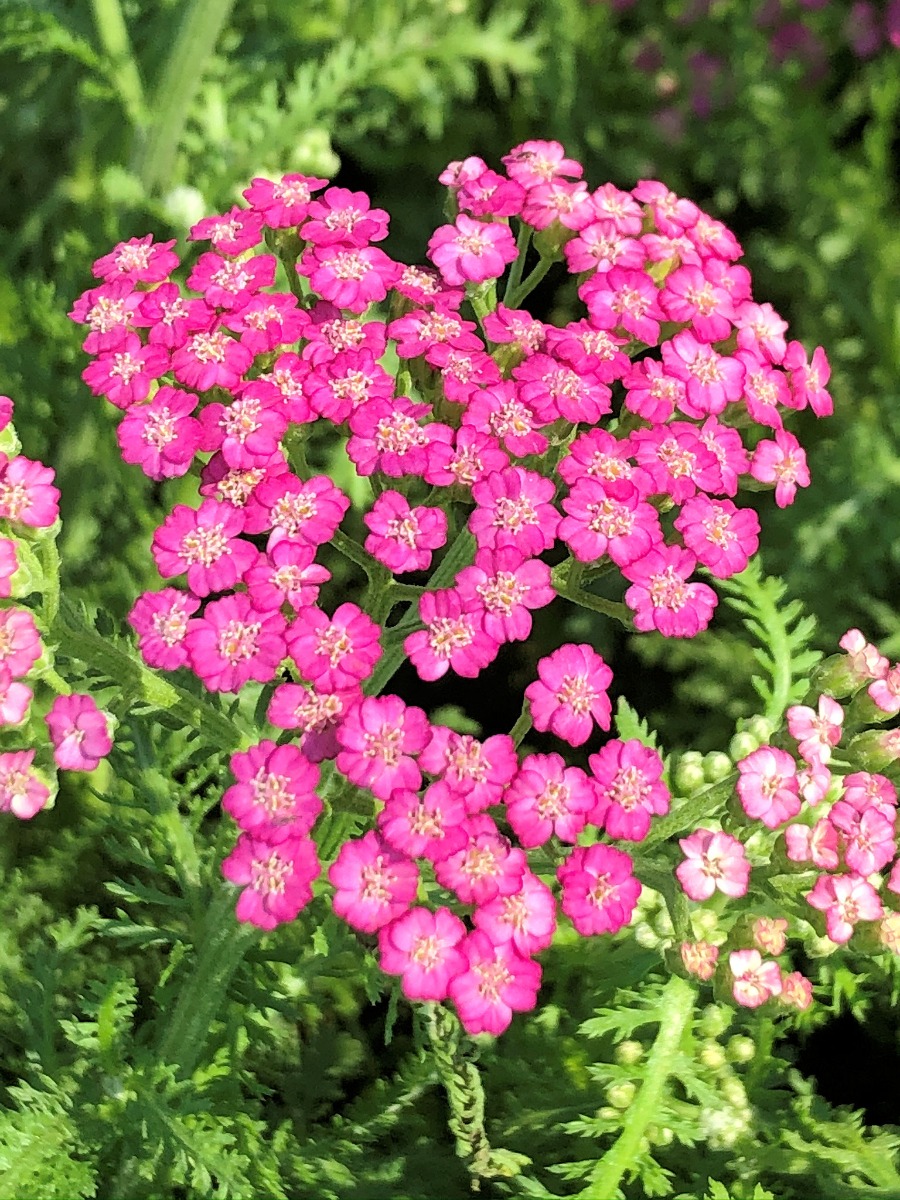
(79, 733)
(231, 378)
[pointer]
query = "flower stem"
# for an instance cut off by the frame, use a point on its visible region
(523, 241)
(112, 33)
(173, 96)
(676, 1007)
(531, 282)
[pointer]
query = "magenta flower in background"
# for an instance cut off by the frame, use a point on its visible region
(79, 731)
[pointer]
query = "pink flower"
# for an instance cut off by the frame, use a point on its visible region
(374, 885)
(630, 789)
(537, 161)
(205, 544)
(699, 959)
(287, 574)
(352, 277)
(885, 692)
(608, 518)
(626, 299)
(527, 918)
(161, 437)
(546, 798)
(27, 494)
(471, 251)
(335, 652)
(755, 981)
(783, 463)
(306, 511)
(79, 732)
(344, 216)
(571, 693)
(22, 791)
(233, 232)
(139, 260)
(723, 537)
(808, 379)
(247, 431)
(502, 410)
(423, 947)
(477, 771)
(278, 870)
(712, 380)
(9, 564)
(285, 203)
(429, 826)
(504, 587)
(514, 508)
(865, 660)
(20, 643)
(275, 786)
(498, 983)
(661, 597)
(379, 740)
(453, 638)
(160, 619)
(234, 642)
(818, 845)
(487, 866)
(230, 282)
(15, 699)
(124, 374)
(599, 891)
(816, 733)
(845, 900)
(210, 358)
(869, 843)
(768, 787)
(712, 861)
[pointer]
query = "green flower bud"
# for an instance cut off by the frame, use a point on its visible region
(689, 776)
(608, 1114)
(716, 766)
(742, 744)
(9, 441)
(629, 1052)
(28, 576)
(712, 1055)
(760, 728)
(715, 1019)
(620, 1095)
(734, 1092)
(740, 1049)
(875, 749)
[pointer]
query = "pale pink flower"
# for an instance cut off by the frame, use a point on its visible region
(15, 699)
(816, 732)
(768, 786)
(22, 791)
(79, 732)
(818, 844)
(712, 860)
(845, 900)
(796, 991)
(783, 463)
(755, 981)
(699, 959)
(27, 494)
(769, 934)
(20, 642)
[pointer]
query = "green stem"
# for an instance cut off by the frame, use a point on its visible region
(676, 1006)
(692, 812)
(353, 550)
(523, 241)
(179, 80)
(619, 612)
(459, 555)
(520, 730)
(112, 33)
(531, 282)
(223, 944)
(48, 557)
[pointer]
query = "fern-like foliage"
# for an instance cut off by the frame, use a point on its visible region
(784, 634)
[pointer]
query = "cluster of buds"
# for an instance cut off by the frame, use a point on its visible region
(828, 819)
(29, 512)
(619, 439)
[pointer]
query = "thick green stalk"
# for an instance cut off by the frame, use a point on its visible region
(223, 944)
(112, 33)
(676, 1006)
(173, 96)
(523, 241)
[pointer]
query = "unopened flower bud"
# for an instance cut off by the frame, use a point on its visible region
(620, 1095)
(734, 1092)
(629, 1052)
(715, 1019)
(9, 441)
(608, 1114)
(742, 744)
(716, 766)
(689, 775)
(712, 1055)
(875, 749)
(740, 1049)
